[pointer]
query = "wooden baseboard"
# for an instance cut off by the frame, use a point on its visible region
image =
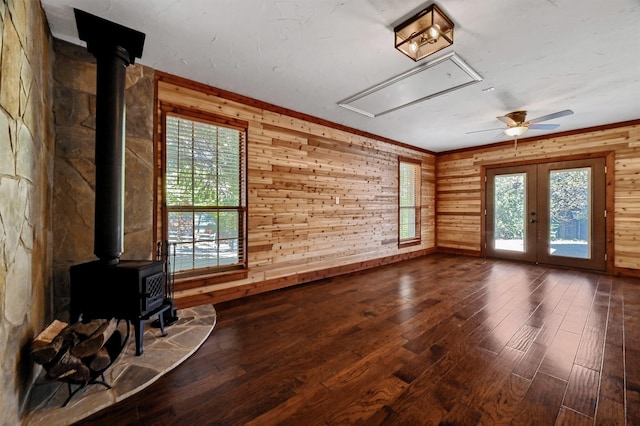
(627, 272)
(237, 292)
(462, 252)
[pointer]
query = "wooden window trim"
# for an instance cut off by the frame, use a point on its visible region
(203, 117)
(224, 273)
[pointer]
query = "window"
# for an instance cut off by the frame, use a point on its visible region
(204, 196)
(409, 202)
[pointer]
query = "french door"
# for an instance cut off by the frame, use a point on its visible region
(552, 213)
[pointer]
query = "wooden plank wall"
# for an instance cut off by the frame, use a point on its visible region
(296, 169)
(459, 186)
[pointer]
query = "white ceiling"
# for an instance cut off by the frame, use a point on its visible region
(542, 56)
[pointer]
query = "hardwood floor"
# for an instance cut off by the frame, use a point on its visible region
(441, 339)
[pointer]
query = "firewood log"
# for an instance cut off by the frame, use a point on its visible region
(82, 374)
(92, 345)
(100, 360)
(68, 366)
(87, 329)
(50, 342)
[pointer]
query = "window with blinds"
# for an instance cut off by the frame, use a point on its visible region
(409, 202)
(204, 194)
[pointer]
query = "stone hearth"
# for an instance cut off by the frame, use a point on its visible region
(129, 374)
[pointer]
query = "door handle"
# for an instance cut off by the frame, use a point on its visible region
(532, 221)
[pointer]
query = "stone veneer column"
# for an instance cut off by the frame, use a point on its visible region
(74, 180)
(26, 177)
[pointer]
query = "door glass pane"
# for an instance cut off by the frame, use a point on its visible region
(509, 216)
(569, 212)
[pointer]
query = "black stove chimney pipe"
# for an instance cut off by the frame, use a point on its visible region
(115, 48)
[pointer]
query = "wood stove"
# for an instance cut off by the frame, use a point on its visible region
(130, 289)
(134, 290)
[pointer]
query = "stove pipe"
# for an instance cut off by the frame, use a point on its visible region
(115, 48)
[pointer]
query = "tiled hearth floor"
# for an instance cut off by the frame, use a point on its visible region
(129, 374)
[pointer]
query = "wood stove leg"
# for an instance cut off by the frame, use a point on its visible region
(161, 321)
(139, 331)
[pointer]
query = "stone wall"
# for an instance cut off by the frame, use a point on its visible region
(74, 190)
(26, 176)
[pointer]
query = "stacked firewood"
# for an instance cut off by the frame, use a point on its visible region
(75, 353)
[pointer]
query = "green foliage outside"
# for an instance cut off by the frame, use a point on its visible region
(509, 205)
(569, 200)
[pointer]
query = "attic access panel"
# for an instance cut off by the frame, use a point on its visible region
(435, 78)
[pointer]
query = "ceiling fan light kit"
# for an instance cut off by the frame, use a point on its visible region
(424, 34)
(515, 131)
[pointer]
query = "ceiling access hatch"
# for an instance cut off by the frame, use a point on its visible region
(435, 78)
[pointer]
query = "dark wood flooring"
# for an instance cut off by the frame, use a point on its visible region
(441, 339)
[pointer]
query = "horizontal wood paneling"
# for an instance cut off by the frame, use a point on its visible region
(459, 183)
(296, 169)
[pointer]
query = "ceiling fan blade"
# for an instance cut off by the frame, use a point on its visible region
(507, 120)
(551, 116)
(485, 130)
(544, 126)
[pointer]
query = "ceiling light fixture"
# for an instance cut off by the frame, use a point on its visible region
(516, 131)
(424, 34)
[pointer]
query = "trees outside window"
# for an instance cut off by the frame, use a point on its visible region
(570, 195)
(510, 207)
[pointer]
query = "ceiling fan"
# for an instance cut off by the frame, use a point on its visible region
(517, 125)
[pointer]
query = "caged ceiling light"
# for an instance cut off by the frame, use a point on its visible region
(424, 34)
